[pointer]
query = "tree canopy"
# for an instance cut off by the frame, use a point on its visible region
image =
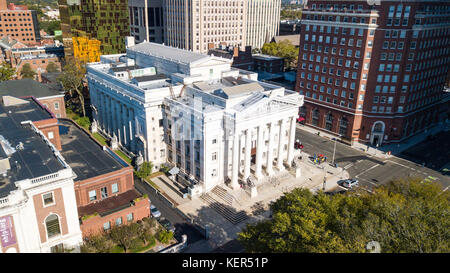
(71, 80)
(6, 72)
(52, 67)
(402, 216)
(27, 72)
(284, 49)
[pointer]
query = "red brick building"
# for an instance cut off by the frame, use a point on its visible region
(20, 23)
(104, 187)
(49, 95)
(374, 73)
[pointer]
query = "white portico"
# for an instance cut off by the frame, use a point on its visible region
(231, 130)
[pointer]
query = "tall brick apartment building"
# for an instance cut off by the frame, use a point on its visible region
(374, 74)
(20, 23)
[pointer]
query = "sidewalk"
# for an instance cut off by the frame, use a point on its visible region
(383, 150)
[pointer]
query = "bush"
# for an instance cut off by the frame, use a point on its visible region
(145, 170)
(164, 236)
(84, 122)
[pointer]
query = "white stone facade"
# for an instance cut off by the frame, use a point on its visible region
(133, 112)
(231, 109)
(226, 133)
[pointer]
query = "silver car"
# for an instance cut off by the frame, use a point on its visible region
(155, 212)
(349, 183)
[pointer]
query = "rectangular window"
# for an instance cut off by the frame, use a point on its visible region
(114, 188)
(48, 199)
(130, 217)
(104, 192)
(92, 195)
(106, 226)
(119, 221)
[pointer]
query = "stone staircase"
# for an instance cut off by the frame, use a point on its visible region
(223, 194)
(228, 213)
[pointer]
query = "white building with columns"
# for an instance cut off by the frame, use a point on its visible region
(127, 92)
(231, 130)
(215, 123)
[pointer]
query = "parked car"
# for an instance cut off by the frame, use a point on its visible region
(167, 224)
(348, 183)
(155, 212)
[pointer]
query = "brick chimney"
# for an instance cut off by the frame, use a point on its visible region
(210, 46)
(235, 51)
(3, 5)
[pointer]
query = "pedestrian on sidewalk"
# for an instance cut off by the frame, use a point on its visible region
(367, 148)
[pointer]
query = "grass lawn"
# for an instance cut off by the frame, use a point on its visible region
(100, 139)
(123, 156)
(155, 174)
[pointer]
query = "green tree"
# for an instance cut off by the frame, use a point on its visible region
(284, 49)
(145, 170)
(124, 235)
(27, 72)
(99, 243)
(52, 67)
(402, 216)
(164, 236)
(71, 80)
(6, 72)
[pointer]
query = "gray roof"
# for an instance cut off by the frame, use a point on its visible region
(238, 90)
(84, 155)
(151, 78)
(168, 53)
(36, 159)
(29, 87)
(123, 68)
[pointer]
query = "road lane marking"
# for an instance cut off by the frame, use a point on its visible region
(374, 166)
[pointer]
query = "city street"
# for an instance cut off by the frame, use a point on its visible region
(370, 170)
(181, 225)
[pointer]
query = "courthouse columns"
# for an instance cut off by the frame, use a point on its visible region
(269, 165)
(290, 156)
(235, 172)
(259, 150)
(281, 135)
(248, 148)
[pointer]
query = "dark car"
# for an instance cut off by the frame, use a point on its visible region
(167, 224)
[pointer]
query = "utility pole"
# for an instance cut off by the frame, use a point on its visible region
(334, 150)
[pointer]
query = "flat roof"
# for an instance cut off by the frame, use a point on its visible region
(124, 68)
(84, 155)
(37, 158)
(168, 53)
(29, 87)
(151, 78)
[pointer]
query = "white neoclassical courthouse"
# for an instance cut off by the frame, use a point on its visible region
(215, 123)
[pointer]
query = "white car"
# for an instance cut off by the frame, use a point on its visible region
(348, 183)
(155, 212)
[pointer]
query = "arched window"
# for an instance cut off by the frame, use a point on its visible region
(378, 127)
(52, 225)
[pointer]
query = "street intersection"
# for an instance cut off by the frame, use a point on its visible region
(368, 169)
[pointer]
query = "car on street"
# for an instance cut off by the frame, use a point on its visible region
(348, 183)
(167, 224)
(155, 212)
